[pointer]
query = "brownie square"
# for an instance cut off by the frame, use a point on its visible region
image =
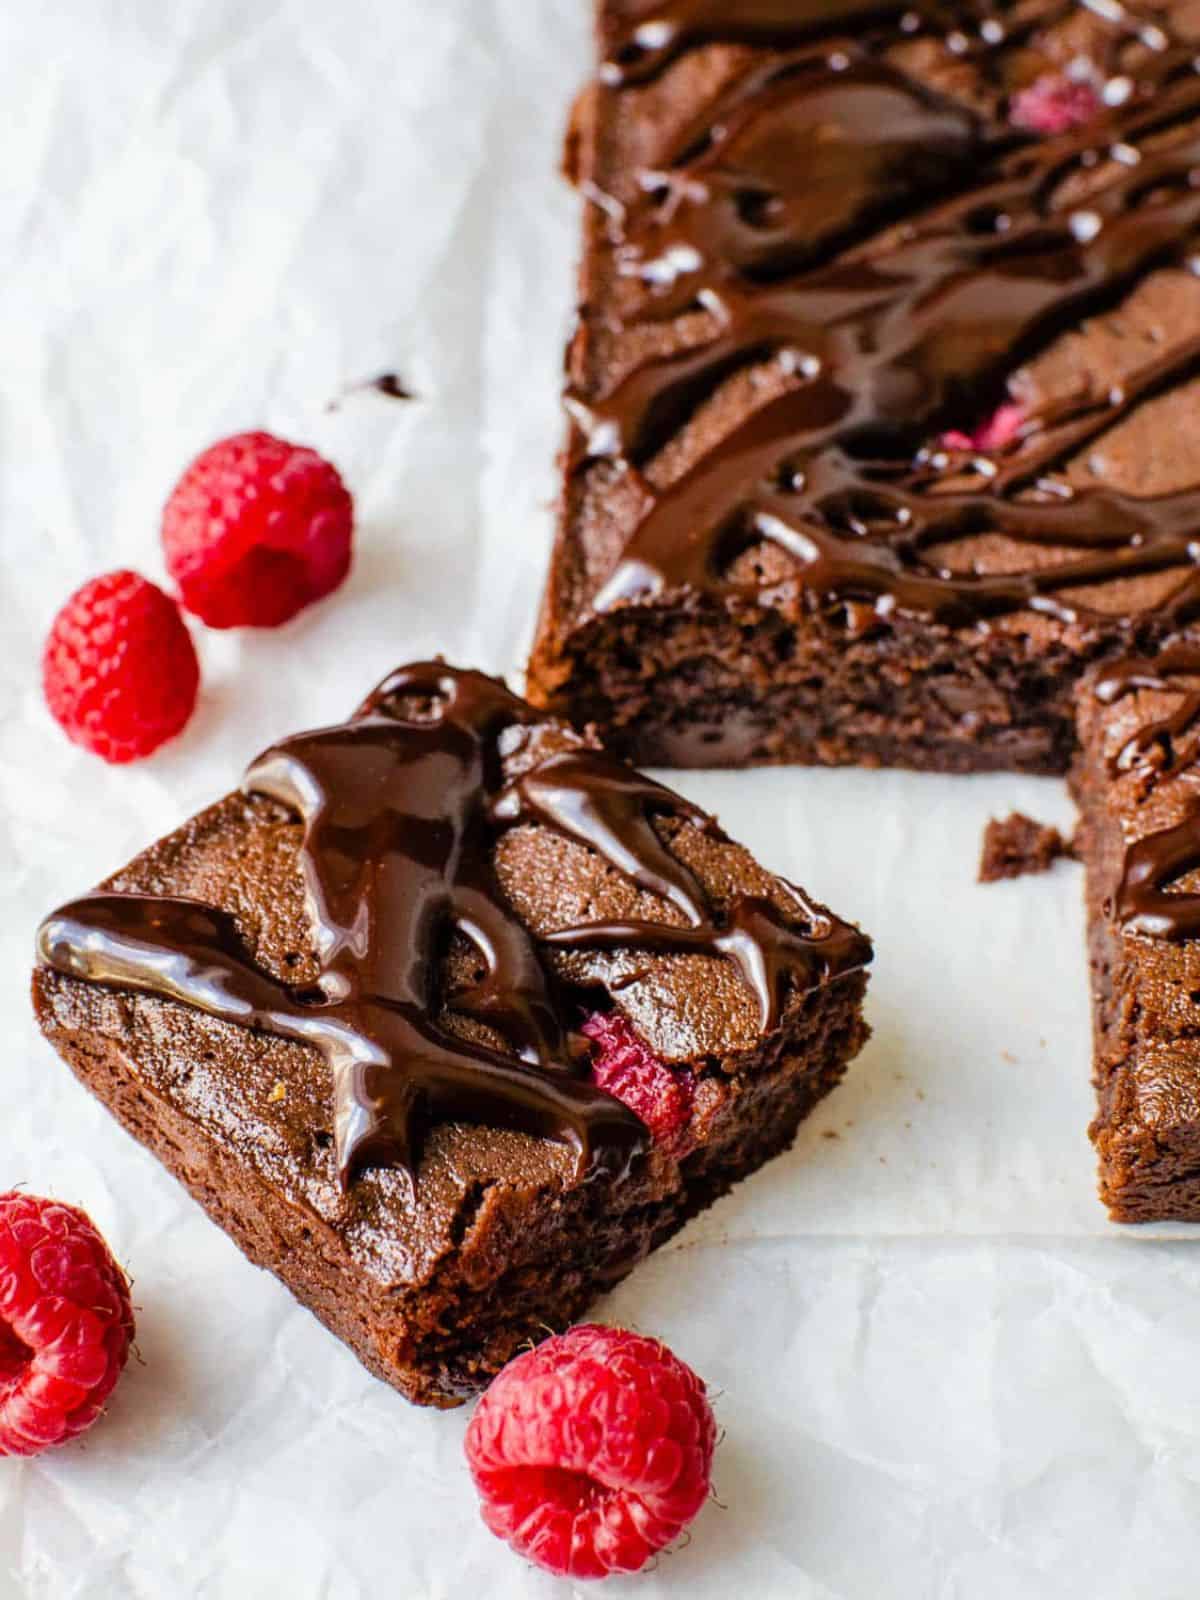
(884, 390)
(350, 1005)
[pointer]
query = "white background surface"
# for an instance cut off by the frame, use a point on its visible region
(941, 1371)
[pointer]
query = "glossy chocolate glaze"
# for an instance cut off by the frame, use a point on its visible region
(768, 216)
(1159, 750)
(402, 808)
(657, 31)
(1145, 902)
(1157, 745)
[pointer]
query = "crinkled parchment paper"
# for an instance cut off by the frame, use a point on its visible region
(941, 1372)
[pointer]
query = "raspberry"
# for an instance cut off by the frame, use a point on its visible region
(1054, 103)
(592, 1452)
(1000, 429)
(119, 669)
(65, 1323)
(255, 530)
(626, 1067)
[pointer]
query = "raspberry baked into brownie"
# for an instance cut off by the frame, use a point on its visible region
(449, 1018)
(884, 392)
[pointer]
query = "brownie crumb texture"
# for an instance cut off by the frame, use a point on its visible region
(1018, 846)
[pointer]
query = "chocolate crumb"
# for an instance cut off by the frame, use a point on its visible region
(390, 384)
(1019, 845)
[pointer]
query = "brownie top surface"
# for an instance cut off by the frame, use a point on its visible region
(520, 835)
(884, 308)
(1139, 719)
(1140, 722)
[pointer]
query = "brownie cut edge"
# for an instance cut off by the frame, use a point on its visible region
(1145, 986)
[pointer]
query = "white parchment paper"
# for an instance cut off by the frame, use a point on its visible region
(941, 1371)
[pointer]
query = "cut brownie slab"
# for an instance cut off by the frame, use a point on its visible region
(1137, 779)
(353, 1008)
(884, 390)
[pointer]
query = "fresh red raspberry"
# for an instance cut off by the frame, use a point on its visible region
(1000, 429)
(1054, 103)
(119, 669)
(592, 1452)
(65, 1323)
(625, 1066)
(255, 530)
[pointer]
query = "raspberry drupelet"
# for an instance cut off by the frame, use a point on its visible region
(625, 1066)
(1056, 103)
(66, 1323)
(255, 530)
(119, 670)
(592, 1452)
(995, 433)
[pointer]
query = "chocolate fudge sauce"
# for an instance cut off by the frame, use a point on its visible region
(402, 808)
(768, 216)
(1157, 746)
(660, 30)
(1145, 901)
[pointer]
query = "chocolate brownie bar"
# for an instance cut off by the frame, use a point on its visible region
(1137, 779)
(350, 1006)
(886, 382)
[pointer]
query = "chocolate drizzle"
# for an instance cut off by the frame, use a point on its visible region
(402, 808)
(660, 30)
(767, 216)
(1157, 746)
(1145, 901)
